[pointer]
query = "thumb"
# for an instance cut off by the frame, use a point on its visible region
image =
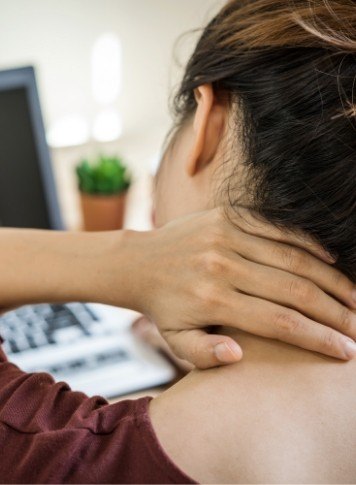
(202, 349)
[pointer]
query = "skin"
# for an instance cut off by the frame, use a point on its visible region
(282, 414)
(139, 271)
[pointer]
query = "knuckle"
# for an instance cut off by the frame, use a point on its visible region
(287, 323)
(302, 290)
(208, 296)
(195, 352)
(341, 281)
(346, 318)
(337, 278)
(294, 259)
(214, 263)
(312, 293)
(328, 343)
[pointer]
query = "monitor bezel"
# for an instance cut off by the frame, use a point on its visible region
(25, 78)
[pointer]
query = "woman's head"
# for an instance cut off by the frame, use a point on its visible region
(266, 118)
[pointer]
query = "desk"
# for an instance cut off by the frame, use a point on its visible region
(153, 391)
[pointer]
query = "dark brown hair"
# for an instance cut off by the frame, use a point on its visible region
(290, 68)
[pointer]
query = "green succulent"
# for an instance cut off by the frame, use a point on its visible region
(103, 176)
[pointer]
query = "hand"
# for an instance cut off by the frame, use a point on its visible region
(147, 331)
(201, 271)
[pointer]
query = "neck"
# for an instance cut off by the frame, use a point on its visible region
(280, 410)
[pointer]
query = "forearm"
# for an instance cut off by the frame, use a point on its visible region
(45, 266)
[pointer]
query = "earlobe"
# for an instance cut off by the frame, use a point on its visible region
(207, 128)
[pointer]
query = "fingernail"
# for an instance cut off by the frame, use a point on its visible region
(227, 353)
(350, 349)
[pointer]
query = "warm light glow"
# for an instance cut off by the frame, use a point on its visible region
(106, 69)
(107, 126)
(155, 163)
(71, 130)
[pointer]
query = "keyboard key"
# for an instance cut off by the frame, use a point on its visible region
(22, 343)
(13, 346)
(31, 342)
(49, 336)
(57, 308)
(43, 309)
(39, 338)
(56, 369)
(77, 364)
(97, 329)
(40, 325)
(91, 313)
(7, 348)
(67, 335)
(115, 355)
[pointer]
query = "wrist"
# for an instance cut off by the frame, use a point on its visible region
(116, 275)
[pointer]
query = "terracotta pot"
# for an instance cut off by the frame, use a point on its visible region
(103, 212)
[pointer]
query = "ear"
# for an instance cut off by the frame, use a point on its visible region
(208, 127)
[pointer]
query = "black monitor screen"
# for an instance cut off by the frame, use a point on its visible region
(22, 198)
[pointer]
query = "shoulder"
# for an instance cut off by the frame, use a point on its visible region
(63, 436)
(254, 420)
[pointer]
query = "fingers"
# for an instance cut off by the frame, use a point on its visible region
(202, 349)
(300, 262)
(293, 292)
(251, 224)
(271, 320)
(146, 330)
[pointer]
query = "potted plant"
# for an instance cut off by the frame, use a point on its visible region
(103, 185)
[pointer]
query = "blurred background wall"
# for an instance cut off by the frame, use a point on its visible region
(105, 69)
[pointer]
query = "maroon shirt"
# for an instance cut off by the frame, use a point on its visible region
(50, 434)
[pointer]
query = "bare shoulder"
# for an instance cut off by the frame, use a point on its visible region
(281, 415)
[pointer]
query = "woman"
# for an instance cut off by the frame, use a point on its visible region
(245, 91)
(266, 111)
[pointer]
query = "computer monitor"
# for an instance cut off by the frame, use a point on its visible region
(28, 196)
